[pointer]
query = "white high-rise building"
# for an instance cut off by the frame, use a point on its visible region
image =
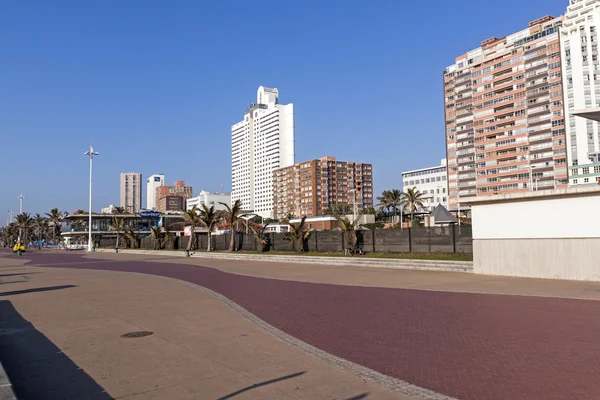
(431, 182)
(210, 199)
(152, 183)
(579, 38)
(261, 143)
(131, 192)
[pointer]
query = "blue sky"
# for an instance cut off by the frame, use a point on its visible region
(156, 85)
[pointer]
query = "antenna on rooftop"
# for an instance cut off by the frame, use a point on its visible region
(222, 188)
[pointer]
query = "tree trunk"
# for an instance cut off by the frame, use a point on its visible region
(191, 241)
(39, 240)
(117, 245)
(209, 240)
(232, 239)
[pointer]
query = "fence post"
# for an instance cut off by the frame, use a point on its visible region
(409, 239)
(454, 238)
(316, 242)
(343, 244)
(373, 238)
(273, 241)
(429, 237)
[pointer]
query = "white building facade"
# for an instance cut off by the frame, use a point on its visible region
(261, 143)
(210, 199)
(432, 182)
(131, 192)
(152, 183)
(581, 75)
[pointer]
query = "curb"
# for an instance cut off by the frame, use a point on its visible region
(6, 390)
(422, 265)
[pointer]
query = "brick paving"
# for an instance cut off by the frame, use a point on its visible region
(468, 346)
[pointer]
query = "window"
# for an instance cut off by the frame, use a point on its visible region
(586, 180)
(575, 171)
(586, 171)
(575, 181)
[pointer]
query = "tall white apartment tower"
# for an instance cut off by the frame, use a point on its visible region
(262, 142)
(131, 192)
(579, 41)
(152, 183)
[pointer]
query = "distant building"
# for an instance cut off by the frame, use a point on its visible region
(309, 188)
(152, 183)
(111, 209)
(210, 199)
(431, 182)
(579, 37)
(131, 192)
(260, 143)
(170, 204)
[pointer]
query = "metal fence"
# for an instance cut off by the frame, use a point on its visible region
(448, 239)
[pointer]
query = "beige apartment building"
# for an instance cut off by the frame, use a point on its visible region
(309, 188)
(505, 126)
(130, 196)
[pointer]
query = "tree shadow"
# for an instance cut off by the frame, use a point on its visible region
(359, 396)
(257, 385)
(37, 368)
(19, 274)
(34, 290)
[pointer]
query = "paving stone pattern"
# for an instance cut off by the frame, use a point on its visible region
(468, 346)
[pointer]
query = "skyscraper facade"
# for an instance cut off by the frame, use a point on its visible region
(309, 188)
(152, 183)
(262, 142)
(505, 123)
(581, 72)
(131, 192)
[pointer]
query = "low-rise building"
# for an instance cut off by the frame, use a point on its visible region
(165, 197)
(309, 188)
(210, 199)
(432, 182)
(111, 209)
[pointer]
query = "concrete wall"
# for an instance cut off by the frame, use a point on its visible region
(552, 234)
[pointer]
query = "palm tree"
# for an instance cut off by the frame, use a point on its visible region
(413, 199)
(298, 234)
(192, 218)
(168, 239)
(131, 237)
(338, 209)
(233, 216)
(54, 218)
(348, 228)
(39, 221)
(119, 210)
(259, 233)
(209, 218)
(156, 235)
(24, 224)
(80, 211)
(117, 226)
(390, 199)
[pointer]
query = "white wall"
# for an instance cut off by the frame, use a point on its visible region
(571, 217)
(554, 235)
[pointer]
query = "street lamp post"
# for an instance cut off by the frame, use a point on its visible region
(91, 153)
(21, 197)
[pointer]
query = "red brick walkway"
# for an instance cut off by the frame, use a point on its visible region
(468, 346)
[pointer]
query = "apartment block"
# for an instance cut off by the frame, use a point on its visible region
(262, 142)
(131, 192)
(581, 71)
(431, 182)
(165, 197)
(152, 183)
(504, 112)
(309, 188)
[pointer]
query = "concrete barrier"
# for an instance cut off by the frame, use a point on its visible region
(393, 263)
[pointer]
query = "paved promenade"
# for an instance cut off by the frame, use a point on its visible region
(60, 339)
(465, 345)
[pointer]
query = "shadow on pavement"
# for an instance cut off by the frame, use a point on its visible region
(359, 397)
(19, 274)
(36, 367)
(41, 289)
(257, 385)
